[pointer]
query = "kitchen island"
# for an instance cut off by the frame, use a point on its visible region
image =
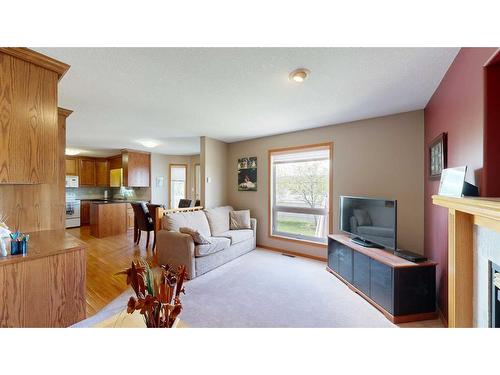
(46, 286)
(108, 218)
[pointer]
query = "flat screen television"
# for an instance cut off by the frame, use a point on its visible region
(371, 222)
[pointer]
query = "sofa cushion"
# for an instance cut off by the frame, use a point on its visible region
(216, 244)
(196, 220)
(218, 219)
(237, 236)
(239, 219)
(197, 237)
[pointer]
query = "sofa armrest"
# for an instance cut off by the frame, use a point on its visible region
(176, 249)
(253, 225)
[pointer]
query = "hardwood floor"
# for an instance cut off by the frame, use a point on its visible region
(109, 255)
(106, 257)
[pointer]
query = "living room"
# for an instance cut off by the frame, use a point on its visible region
(250, 185)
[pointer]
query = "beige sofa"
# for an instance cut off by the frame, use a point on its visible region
(177, 248)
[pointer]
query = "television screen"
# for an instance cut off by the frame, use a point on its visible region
(372, 220)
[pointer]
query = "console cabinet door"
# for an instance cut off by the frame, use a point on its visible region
(381, 285)
(345, 263)
(361, 272)
(333, 255)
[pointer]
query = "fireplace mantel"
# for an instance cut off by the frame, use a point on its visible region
(463, 214)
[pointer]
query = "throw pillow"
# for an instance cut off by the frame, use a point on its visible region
(239, 219)
(362, 217)
(198, 238)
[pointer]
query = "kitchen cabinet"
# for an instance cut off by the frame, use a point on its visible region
(71, 166)
(136, 168)
(84, 212)
(130, 217)
(102, 172)
(87, 172)
(29, 118)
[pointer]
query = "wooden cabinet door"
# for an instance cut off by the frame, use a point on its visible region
(102, 173)
(28, 122)
(71, 167)
(130, 217)
(136, 169)
(87, 172)
(85, 213)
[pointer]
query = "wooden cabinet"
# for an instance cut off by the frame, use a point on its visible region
(107, 219)
(86, 168)
(102, 172)
(404, 291)
(130, 217)
(29, 119)
(45, 287)
(136, 168)
(71, 166)
(84, 212)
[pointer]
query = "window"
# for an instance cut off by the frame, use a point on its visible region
(178, 187)
(299, 192)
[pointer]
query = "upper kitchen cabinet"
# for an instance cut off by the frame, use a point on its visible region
(28, 116)
(102, 172)
(87, 171)
(136, 168)
(71, 166)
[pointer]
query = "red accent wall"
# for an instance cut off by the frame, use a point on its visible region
(457, 108)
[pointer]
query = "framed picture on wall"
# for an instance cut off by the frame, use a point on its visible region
(437, 156)
(247, 174)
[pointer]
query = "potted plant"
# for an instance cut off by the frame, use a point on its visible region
(157, 293)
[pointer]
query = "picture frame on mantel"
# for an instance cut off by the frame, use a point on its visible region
(438, 156)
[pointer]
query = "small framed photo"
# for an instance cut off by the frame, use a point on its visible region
(437, 156)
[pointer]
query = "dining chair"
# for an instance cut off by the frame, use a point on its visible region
(144, 222)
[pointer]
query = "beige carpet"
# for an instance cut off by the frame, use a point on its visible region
(267, 289)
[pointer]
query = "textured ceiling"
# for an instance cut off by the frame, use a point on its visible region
(175, 95)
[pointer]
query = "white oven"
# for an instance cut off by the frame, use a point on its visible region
(72, 211)
(71, 181)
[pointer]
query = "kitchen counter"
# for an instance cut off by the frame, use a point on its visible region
(45, 243)
(45, 287)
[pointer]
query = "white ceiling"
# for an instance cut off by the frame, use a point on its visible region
(176, 95)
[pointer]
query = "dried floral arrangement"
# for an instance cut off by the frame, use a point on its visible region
(157, 293)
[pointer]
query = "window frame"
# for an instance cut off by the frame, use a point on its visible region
(170, 166)
(271, 194)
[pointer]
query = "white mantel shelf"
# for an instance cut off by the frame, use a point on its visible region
(463, 214)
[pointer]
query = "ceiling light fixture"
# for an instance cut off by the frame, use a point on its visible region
(149, 143)
(72, 151)
(299, 75)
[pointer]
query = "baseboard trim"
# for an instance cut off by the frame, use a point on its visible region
(442, 318)
(291, 252)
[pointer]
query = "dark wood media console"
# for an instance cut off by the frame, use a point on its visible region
(402, 290)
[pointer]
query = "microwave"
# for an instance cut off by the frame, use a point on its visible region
(71, 181)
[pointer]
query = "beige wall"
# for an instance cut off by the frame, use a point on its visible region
(380, 157)
(160, 168)
(214, 168)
